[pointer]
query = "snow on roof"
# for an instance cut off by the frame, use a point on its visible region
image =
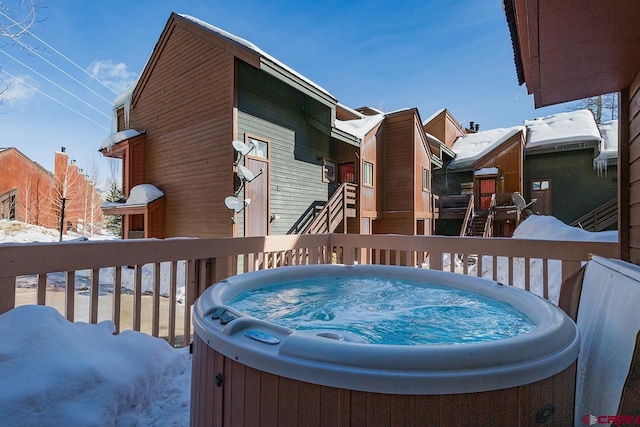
(359, 127)
(608, 146)
(562, 128)
(143, 194)
(486, 171)
(252, 47)
(471, 147)
(433, 116)
(114, 138)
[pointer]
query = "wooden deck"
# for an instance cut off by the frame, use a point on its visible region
(210, 260)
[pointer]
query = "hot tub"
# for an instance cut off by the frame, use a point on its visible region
(247, 371)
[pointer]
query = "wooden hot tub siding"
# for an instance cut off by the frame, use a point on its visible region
(249, 397)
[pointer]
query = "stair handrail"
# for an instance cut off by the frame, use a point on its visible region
(604, 212)
(488, 226)
(335, 206)
(464, 231)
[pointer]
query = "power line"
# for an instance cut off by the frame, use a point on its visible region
(55, 84)
(55, 100)
(59, 53)
(34, 51)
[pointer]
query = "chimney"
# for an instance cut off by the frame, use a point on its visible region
(471, 125)
(62, 149)
(477, 128)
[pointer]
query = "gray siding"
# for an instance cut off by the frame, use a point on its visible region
(288, 119)
(576, 187)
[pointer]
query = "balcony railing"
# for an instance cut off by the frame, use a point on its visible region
(95, 273)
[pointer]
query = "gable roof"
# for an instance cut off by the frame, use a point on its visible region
(472, 147)
(562, 129)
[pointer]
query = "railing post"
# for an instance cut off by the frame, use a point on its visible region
(7, 294)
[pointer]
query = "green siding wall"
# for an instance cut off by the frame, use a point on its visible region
(576, 187)
(287, 118)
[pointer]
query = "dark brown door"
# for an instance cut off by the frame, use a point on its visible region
(541, 190)
(257, 212)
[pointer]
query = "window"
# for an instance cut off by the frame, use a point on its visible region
(258, 148)
(426, 181)
(328, 170)
(540, 185)
(367, 173)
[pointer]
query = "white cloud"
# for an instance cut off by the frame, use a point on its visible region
(17, 90)
(116, 76)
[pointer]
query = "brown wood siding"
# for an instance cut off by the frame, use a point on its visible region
(633, 153)
(247, 396)
(398, 163)
(509, 159)
(422, 197)
(371, 151)
(185, 104)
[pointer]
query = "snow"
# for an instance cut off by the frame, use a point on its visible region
(541, 227)
(562, 128)
(54, 372)
(359, 127)
(114, 138)
(57, 373)
(608, 147)
(486, 171)
(143, 194)
(469, 148)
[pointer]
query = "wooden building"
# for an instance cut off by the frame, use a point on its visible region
(572, 50)
(561, 170)
(203, 88)
(476, 185)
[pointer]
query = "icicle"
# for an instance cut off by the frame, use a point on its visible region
(600, 165)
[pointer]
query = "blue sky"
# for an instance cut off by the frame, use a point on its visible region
(384, 54)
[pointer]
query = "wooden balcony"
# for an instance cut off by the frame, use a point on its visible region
(198, 263)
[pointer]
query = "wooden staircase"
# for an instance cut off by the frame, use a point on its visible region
(600, 218)
(478, 223)
(339, 207)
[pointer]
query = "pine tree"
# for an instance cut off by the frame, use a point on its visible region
(113, 223)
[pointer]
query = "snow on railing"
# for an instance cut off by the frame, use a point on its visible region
(149, 285)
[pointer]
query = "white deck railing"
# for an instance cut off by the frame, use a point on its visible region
(123, 280)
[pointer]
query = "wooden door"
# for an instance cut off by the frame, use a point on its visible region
(257, 212)
(346, 172)
(487, 187)
(541, 190)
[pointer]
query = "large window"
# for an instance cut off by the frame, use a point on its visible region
(367, 173)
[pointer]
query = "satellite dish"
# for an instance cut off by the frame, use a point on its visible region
(235, 204)
(245, 173)
(519, 201)
(241, 147)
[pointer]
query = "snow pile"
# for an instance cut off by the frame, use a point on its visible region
(20, 232)
(359, 127)
(541, 227)
(53, 372)
(143, 194)
(608, 147)
(562, 128)
(472, 147)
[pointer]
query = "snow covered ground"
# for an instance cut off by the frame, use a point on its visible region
(53, 372)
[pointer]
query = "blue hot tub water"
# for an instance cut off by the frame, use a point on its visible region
(384, 311)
